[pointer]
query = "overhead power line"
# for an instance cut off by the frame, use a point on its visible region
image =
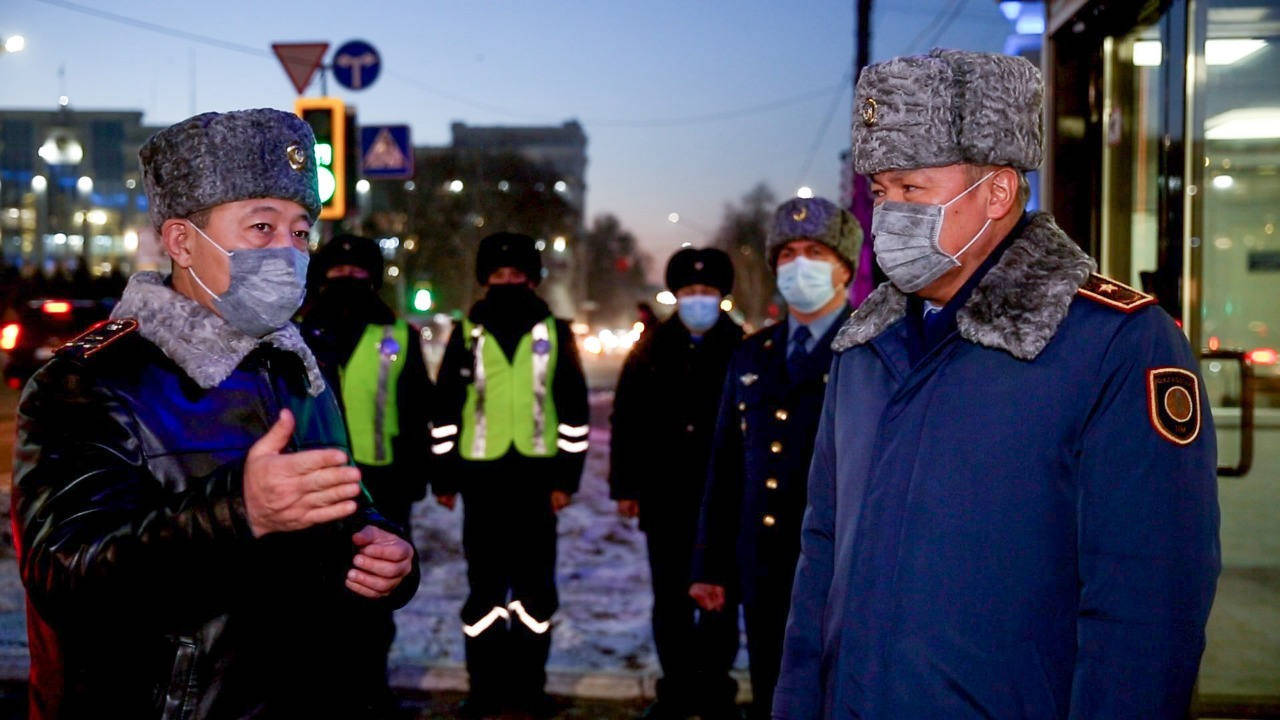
(153, 27)
(424, 87)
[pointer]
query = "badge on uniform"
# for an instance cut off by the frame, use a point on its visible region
(389, 347)
(1173, 402)
(749, 378)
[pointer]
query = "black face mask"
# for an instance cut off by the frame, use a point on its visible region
(509, 293)
(347, 286)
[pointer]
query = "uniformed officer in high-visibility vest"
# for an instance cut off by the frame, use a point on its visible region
(749, 534)
(374, 362)
(510, 433)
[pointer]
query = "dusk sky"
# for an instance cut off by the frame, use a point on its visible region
(686, 104)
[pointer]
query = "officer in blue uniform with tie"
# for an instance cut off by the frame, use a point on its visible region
(749, 532)
(1012, 507)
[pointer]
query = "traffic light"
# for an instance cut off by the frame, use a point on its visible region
(327, 117)
(422, 300)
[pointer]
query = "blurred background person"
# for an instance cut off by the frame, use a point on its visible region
(749, 533)
(374, 362)
(663, 416)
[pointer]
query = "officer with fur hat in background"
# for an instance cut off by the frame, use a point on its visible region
(664, 412)
(749, 533)
(510, 433)
(374, 362)
(1012, 506)
(192, 536)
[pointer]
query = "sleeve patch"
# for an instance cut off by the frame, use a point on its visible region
(1173, 404)
(1114, 294)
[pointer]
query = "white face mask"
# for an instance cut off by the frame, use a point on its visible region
(906, 241)
(267, 287)
(806, 284)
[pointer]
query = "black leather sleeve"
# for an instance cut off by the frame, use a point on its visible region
(98, 537)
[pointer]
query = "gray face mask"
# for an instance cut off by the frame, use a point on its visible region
(267, 287)
(906, 241)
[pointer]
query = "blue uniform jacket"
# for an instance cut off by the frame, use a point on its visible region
(749, 532)
(1022, 525)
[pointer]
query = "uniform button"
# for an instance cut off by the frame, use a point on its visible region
(771, 483)
(688, 428)
(742, 406)
(781, 414)
(775, 447)
(769, 521)
(743, 425)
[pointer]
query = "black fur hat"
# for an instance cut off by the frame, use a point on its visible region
(505, 249)
(361, 252)
(700, 266)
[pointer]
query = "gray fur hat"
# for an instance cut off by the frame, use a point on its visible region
(946, 108)
(816, 219)
(215, 158)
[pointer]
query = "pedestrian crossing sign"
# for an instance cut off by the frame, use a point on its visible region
(385, 152)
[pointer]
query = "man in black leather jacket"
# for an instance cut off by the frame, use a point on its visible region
(193, 540)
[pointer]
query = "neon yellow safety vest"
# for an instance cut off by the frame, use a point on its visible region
(369, 391)
(509, 402)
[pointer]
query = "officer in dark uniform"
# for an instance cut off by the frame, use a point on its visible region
(749, 534)
(374, 363)
(191, 537)
(663, 417)
(510, 431)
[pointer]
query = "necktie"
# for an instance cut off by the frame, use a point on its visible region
(797, 353)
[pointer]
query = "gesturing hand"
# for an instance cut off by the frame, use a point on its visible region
(383, 561)
(291, 491)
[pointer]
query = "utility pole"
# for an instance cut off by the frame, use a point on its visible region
(868, 275)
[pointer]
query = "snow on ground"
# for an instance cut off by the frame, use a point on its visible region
(602, 626)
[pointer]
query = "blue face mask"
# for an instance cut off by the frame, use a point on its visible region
(806, 284)
(267, 287)
(698, 312)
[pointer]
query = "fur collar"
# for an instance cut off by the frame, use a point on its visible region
(200, 342)
(1016, 307)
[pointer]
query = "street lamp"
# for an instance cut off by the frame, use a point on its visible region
(676, 218)
(14, 43)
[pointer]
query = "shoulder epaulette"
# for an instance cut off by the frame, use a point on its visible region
(97, 337)
(1114, 294)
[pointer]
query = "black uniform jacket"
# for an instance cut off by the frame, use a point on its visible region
(148, 595)
(664, 412)
(509, 322)
(749, 533)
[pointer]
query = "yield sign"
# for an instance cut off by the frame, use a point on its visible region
(300, 61)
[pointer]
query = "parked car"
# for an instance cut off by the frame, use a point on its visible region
(33, 329)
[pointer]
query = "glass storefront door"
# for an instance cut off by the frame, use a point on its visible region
(1233, 196)
(1214, 261)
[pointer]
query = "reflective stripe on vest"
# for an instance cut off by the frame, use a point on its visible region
(369, 391)
(509, 401)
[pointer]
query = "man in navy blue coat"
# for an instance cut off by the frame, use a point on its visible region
(749, 533)
(1012, 504)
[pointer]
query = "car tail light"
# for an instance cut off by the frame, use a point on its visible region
(56, 307)
(9, 336)
(1263, 356)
